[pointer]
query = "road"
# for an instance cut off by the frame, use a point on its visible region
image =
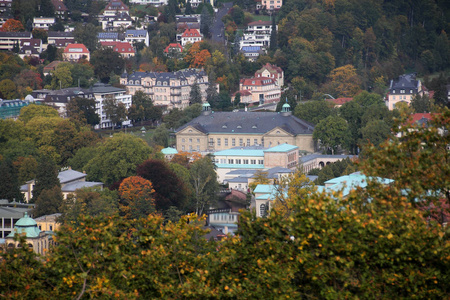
(217, 29)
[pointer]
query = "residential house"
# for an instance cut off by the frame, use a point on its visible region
(43, 23)
(103, 92)
(30, 48)
(60, 39)
(137, 36)
(166, 89)
(155, 3)
(114, 7)
(263, 89)
(246, 97)
(75, 52)
(188, 22)
(215, 131)
(110, 37)
(257, 34)
(5, 6)
(70, 180)
(9, 39)
(271, 71)
(252, 52)
(61, 10)
(189, 36)
(10, 213)
(271, 4)
(338, 102)
(58, 99)
(125, 49)
(173, 50)
(51, 67)
(404, 89)
(120, 21)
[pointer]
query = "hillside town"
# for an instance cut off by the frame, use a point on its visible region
(224, 149)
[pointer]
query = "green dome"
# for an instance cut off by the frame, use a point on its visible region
(169, 150)
(286, 105)
(26, 221)
(206, 104)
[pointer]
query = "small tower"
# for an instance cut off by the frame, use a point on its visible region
(286, 109)
(206, 109)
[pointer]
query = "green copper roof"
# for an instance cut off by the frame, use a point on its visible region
(26, 226)
(281, 148)
(169, 150)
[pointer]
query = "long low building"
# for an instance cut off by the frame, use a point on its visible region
(215, 131)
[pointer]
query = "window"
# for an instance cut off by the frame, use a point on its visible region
(218, 142)
(198, 140)
(262, 210)
(241, 142)
(51, 228)
(190, 148)
(248, 142)
(260, 161)
(231, 161)
(226, 142)
(238, 161)
(245, 161)
(253, 161)
(233, 142)
(198, 148)
(183, 140)
(190, 140)
(223, 161)
(255, 142)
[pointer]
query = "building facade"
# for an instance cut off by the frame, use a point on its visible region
(167, 89)
(75, 52)
(257, 34)
(215, 131)
(403, 90)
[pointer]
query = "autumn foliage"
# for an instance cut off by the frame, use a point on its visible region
(12, 25)
(136, 199)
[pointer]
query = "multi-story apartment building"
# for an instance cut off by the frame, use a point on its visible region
(150, 2)
(190, 36)
(271, 71)
(9, 39)
(257, 34)
(43, 23)
(135, 36)
(124, 48)
(103, 92)
(263, 89)
(270, 4)
(403, 90)
(74, 52)
(167, 89)
(114, 7)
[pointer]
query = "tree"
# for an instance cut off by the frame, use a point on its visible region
(195, 95)
(62, 76)
(142, 108)
(12, 25)
(332, 133)
(188, 10)
(273, 36)
(49, 202)
(8, 89)
(115, 111)
(313, 111)
(136, 200)
(169, 190)
(82, 74)
(260, 177)
(344, 81)
(87, 34)
(105, 62)
(46, 179)
(204, 182)
(375, 132)
(27, 81)
(116, 158)
(46, 9)
(83, 109)
(93, 202)
(9, 185)
(161, 136)
(205, 22)
(237, 99)
(33, 110)
(421, 104)
(41, 34)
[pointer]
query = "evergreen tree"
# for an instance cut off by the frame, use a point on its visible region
(49, 202)
(46, 9)
(273, 35)
(205, 22)
(195, 95)
(212, 97)
(9, 185)
(46, 177)
(188, 10)
(16, 47)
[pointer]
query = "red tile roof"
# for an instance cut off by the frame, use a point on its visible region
(259, 22)
(121, 47)
(82, 48)
(173, 45)
(191, 33)
(257, 81)
(243, 93)
(419, 116)
(271, 68)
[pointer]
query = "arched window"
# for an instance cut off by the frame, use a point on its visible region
(262, 210)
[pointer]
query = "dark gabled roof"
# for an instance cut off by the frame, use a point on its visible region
(404, 82)
(60, 34)
(248, 122)
(16, 34)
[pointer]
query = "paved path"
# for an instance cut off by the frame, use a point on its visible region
(217, 29)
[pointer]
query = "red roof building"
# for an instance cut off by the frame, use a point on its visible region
(173, 47)
(74, 52)
(339, 101)
(114, 7)
(271, 71)
(124, 48)
(190, 36)
(263, 89)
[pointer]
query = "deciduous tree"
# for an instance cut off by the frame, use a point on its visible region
(136, 197)
(332, 133)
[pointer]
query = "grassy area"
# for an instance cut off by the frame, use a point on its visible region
(261, 17)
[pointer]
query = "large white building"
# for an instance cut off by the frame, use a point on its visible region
(150, 2)
(167, 89)
(257, 34)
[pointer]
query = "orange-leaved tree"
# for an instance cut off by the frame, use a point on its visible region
(12, 25)
(136, 199)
